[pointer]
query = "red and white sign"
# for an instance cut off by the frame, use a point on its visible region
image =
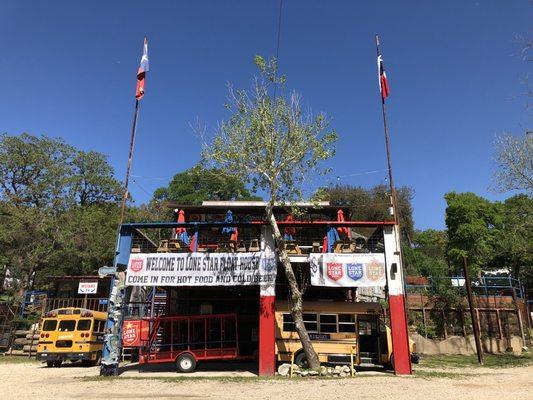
(348, 270)
(334, 271)
(135, 331)
(136, 265)
(88, 287)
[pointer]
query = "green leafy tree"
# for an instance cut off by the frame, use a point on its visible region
(372, 204)
(57, 208)
(34, 171)
(515, 243)
(273, 144)
(93, 179)
(199, 184)
(474, 226)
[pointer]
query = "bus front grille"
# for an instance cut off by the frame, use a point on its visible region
(64, 343)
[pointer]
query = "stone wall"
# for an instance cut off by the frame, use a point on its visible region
(466, 346)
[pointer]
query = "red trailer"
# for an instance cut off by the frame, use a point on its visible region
(185, 340)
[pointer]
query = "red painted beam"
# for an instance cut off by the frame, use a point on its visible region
(267, 336)
(400, 335)
(329, 223)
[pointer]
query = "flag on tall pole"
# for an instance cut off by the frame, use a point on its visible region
(382, 76)
(144, 67)
(141, 77)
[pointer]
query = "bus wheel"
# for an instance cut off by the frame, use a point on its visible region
(301, 360)
(50, 364)
(186, 363)
(57, 363)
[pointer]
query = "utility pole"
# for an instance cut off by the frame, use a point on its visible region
(473, 314)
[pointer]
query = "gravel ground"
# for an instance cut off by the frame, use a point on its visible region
(33, 380)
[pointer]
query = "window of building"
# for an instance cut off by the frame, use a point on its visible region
(347, 323)
(328, 323)
(288, 323)
(310, 322)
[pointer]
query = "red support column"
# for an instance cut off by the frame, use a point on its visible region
(267, 335)
(398, 317)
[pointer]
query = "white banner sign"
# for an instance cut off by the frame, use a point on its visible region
(87, 287)
(201, 269)
(347, 270)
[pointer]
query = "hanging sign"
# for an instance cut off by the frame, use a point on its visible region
(135, 332)
(201, 269)
(88, 287)
(347, 270)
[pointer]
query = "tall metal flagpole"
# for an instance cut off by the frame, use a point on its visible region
(130, 157)
(387, 144)
(393, 195)
(132, 142)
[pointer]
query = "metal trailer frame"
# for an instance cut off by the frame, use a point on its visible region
(206, 349)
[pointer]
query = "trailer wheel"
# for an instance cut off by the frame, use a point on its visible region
(186, 363)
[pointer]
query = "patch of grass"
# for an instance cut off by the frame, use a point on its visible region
(441, 374)
(490, 361)
(227, 379)
(17, 360)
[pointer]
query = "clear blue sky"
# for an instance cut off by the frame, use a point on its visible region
(68, 69)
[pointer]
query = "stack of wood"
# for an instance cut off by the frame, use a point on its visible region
(25, 342)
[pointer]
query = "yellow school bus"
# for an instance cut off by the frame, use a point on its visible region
(337, 330)
(74, 334)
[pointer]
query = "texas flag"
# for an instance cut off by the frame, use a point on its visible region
(383, 84)
(141, 73)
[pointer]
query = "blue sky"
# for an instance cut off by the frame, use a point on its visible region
(454, 69)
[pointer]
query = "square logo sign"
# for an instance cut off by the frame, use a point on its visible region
(136, 265)
(354, 271)
(334, 271)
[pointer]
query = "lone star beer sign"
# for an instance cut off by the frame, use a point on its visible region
(348, 270)
(134, 332)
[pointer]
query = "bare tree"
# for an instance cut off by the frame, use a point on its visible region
(270, 142)
(514, 156)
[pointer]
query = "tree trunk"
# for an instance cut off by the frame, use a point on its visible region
(296, 305)
(25, 282)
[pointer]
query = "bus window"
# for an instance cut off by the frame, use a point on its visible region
(67, 325)
(288, 323)
(310, 322)
(99, 326)
(328, 323)
(84, 324)
(49, 325)
(347, 323)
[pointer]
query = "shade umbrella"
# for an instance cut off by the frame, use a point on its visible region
(193, 246)
(332, 237)
(228, 219)
(342, 229)
(290, 230)
(181, 233)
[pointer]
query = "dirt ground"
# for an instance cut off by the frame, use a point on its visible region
(32, 380)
